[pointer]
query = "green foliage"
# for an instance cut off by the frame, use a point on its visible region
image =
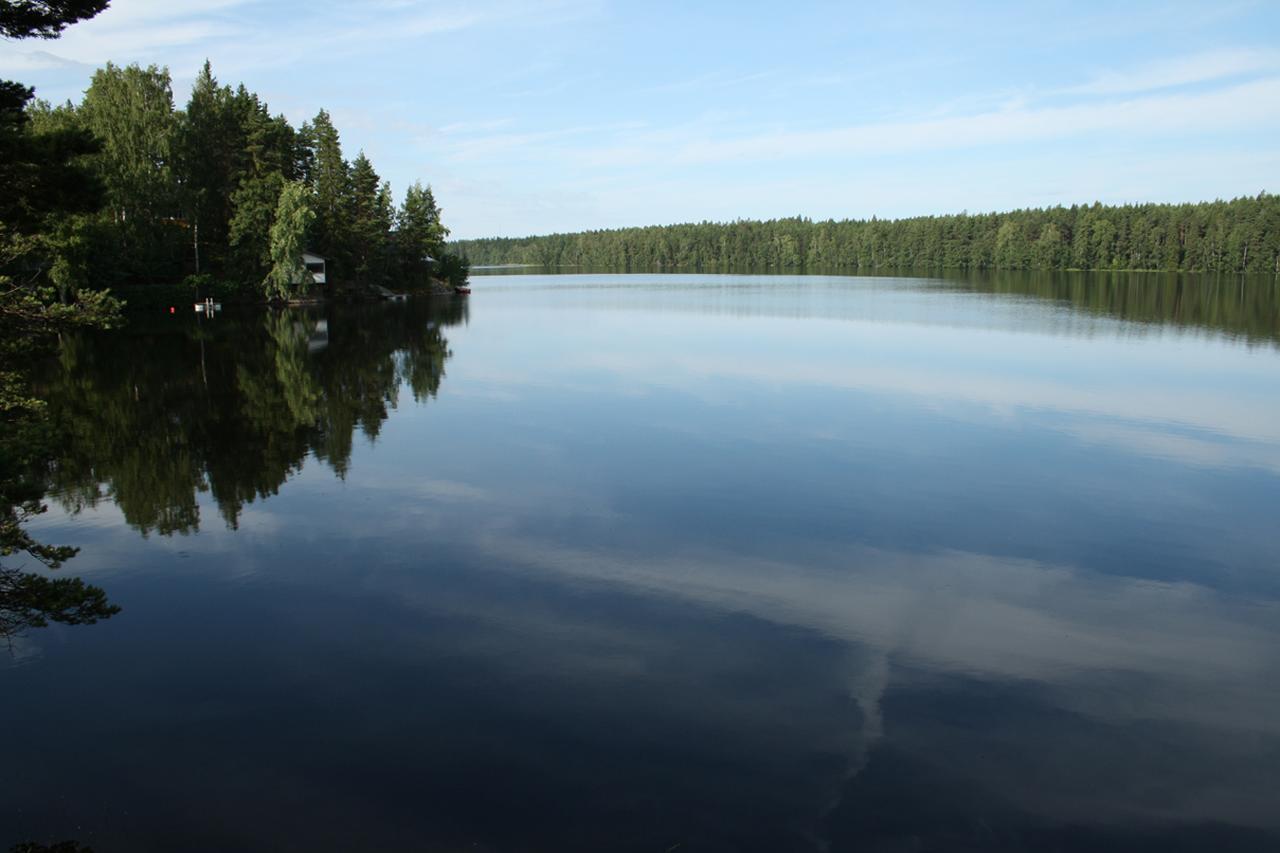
(42, 164)
(453, 268)
(1238, 236)
(254, 205)
(209, 150)
(147, 195)
(233, 157)
(198, 285)
(45, 19)
(130, 110)
(288, 276)
(46, 188)
(370, 222)
(29, 600)
(419, 234)
(330, 180)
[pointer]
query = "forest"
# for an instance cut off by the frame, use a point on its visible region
(1237, 236)
(222, 194)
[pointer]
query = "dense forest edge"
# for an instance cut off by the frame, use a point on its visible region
(1237, 236)
(219, 198)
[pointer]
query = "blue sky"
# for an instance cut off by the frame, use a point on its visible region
(531, 117)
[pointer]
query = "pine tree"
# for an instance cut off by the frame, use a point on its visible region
(420, 233)
(370, 221)
(330, 180)
(208, 152)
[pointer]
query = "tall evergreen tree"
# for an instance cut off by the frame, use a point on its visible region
(330, 180)
(419, 232)
(209, 149)
(370, 221)
(270, 158)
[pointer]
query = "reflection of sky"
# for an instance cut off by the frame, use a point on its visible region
(718, 577)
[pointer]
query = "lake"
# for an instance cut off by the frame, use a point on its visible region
(668, 563)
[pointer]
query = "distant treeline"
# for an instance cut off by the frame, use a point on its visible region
(1242, 235)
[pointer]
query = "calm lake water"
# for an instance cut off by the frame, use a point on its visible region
(660, 563)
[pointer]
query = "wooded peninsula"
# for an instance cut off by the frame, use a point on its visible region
(220, 196)
(1238, 236)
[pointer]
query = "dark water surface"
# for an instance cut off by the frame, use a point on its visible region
(659, 563)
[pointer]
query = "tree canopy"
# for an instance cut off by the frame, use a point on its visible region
(196, 190)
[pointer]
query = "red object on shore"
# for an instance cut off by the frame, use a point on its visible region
(462, 290)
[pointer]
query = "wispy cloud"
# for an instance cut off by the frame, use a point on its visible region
(1180, 71)
(998, 616)
(235, 33)
(469, 127)
(37, 60)
(710, 81)
(1250, 104)
(477, 147)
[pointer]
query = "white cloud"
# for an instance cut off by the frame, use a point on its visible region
(1254, 104)
(980, 614)
(1180, 71)
(37, 60)
(936, 366)
(182, 34)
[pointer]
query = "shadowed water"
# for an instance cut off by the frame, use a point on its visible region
(668, 563)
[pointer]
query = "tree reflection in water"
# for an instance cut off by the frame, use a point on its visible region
(231, 407)
(153, 416)
(33, 599)
(1246, 307)
(59, 847)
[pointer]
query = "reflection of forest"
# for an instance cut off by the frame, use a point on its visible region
(1243, 306)
(165, 409)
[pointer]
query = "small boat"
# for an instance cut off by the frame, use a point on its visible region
(462, 290)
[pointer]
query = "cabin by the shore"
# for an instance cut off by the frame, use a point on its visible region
(314, 264)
